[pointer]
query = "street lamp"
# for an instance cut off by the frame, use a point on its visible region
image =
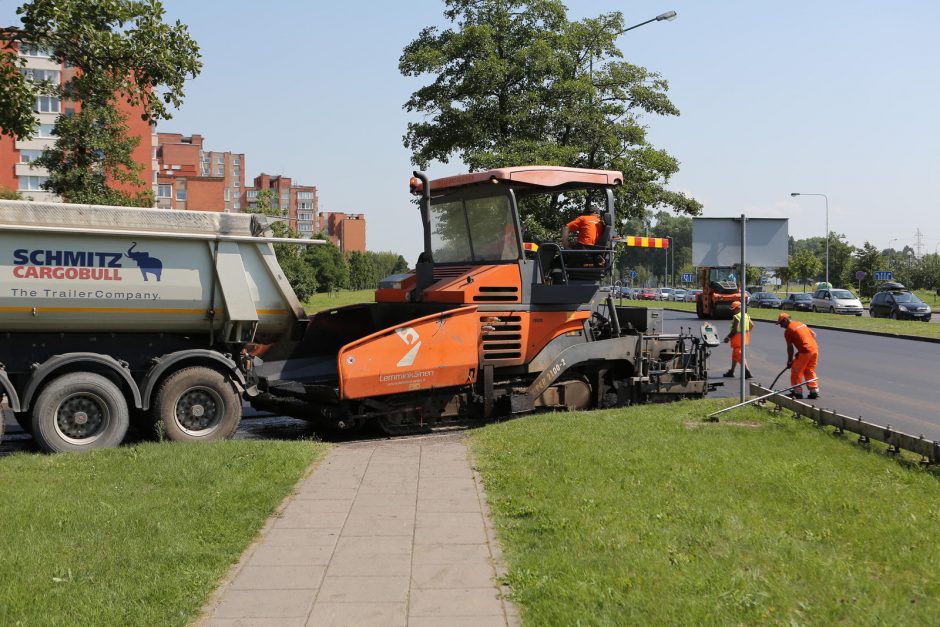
(794, 194)
(668, 16)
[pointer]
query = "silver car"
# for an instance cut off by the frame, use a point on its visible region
(837, 301)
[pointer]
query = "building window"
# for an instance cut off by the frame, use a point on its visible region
(220, 170)
(164, 191)
(303, 204)
(236, 171)
(285, 199)
(32, 183)
(238, 183)
(228, 194)
(304, 195)
(237, 205)
(28, 156)
(47, 104)
(219, 159)
(31, 50)
(252, 194)
(42, 76)
(181, 193)
(236, 161)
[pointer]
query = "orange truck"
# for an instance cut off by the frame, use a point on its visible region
(486, 324)
(719, 289)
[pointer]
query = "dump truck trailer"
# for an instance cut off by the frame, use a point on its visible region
(488, 324)
(108, 313)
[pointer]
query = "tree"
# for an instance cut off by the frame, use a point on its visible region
(516, 82)
(328, 263)
(9, 194)
(867, 259)
(362, 271)
(300, 275)
(120, 49)
(804, 265)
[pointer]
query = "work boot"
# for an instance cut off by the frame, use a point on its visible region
(796, 394)
(813, 395)
(729, 374)
(747, 374)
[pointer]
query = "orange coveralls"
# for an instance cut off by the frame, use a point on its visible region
(589, 228)
(736, 338)
(803, 339)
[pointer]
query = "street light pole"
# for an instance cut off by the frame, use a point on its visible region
(668, 16)
(794, 194)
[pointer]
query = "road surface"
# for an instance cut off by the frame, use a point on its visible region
(884, 380)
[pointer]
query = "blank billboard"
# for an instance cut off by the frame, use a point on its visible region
(717, 242)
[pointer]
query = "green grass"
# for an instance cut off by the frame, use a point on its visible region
(880, 325)
(137, 535)
(649, 516)
(332, 300)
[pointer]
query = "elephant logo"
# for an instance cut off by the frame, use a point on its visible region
(146, 263)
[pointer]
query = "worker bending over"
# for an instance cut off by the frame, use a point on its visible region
(802, 368)
(588, 226)
(735, 338)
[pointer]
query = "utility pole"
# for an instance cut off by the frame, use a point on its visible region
(920, 243)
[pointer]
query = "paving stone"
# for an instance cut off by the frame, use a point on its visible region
(457, 621)
(443, 505)
(386, 565)
(475, 574)
(285, 555)
(447, 553)
(254, 622)
(455, 602)
(363, 590)
(378, 525)
(318, 492)
(266, 604)
(301, 518)
(306, 577)
(369, 546)
(288, 536)
(358, 614)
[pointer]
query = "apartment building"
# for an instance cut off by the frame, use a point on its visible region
(189, 177)
(297, 203)
(17, 155)
(346, 230)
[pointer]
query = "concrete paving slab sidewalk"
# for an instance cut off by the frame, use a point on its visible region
(381, 533)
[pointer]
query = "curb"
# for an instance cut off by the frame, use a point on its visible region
(897, 336)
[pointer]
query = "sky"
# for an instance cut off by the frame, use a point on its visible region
(834, 97)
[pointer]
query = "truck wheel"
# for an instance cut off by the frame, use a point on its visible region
(197, 405)
(81, 411)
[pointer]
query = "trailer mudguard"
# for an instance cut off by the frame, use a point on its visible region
(166, 362)
(6, 387)
(53, 364)
(435, 351)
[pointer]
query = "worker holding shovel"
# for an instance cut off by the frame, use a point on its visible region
(736, 337)
(803, 367)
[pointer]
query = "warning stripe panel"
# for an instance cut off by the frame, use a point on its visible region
(647, 242)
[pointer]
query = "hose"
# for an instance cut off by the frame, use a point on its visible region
(785, 368)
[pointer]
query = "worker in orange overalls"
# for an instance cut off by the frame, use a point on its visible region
(589, 227)
(735, 338)
(803, 367)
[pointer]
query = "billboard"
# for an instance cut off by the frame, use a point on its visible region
(717, 242)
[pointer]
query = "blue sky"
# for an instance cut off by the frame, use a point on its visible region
(835, 97)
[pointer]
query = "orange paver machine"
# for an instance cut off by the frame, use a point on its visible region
(486, 324)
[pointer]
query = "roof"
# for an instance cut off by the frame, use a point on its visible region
(535, 175)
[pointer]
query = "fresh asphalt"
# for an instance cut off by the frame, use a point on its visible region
(883, 380)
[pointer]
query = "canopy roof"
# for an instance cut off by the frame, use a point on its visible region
(546, 176)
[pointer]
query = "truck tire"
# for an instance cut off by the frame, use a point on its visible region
(197, 405)
(80, 411)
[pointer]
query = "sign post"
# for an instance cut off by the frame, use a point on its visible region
(860, 274)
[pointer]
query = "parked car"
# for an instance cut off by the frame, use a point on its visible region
(837, 301)
(691, 294)
(663, 293)
(900, 305)
(678, 295)
(798, 302)
(647, 293)
(766, 300)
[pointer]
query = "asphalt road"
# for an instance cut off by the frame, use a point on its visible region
(883, 380)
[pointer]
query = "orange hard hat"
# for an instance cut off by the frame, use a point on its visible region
(784, 316)
(735, 305)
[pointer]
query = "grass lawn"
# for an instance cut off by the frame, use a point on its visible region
(881, 325)
(648, 516)
(332, 300)
(136, 535)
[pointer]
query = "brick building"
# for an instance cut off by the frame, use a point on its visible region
(297, 203)
(346, 230)
(189, 177)
(16, 155)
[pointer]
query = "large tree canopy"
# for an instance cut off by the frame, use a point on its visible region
(515, 83)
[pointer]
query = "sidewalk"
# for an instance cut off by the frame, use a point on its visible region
(382, 533)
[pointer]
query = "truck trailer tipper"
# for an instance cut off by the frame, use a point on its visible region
(107, 312)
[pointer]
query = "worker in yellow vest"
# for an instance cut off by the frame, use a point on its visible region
(735, 338)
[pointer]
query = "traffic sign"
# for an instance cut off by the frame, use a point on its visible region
(861, 274)
(688, 278)
(632, 274)
(884, 275)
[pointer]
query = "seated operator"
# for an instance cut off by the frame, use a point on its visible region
(589, 227)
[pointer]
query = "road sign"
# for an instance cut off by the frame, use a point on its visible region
(859, 275)
(884, 275)
(632, 274)
(688, 278)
